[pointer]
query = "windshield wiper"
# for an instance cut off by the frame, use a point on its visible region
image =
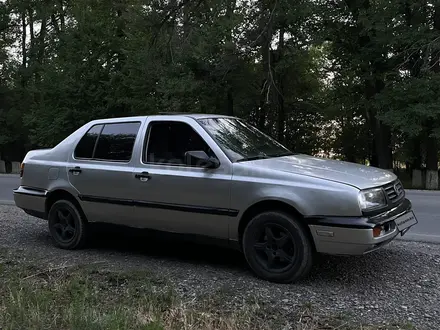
(282, 154)
(252, 158)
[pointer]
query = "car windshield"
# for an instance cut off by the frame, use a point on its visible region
(241, 141)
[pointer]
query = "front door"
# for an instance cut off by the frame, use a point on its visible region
(173, 196)
(101, 170)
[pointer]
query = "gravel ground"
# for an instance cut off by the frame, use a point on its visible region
(400, 283)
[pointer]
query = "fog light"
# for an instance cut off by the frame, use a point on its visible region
(377, 231)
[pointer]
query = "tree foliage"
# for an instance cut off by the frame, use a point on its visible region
(355, 79)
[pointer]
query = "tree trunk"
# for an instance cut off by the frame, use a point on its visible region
(32, 36)
(383, 145)
(56, 27)
(230, 95)
(281, 122)
(23, 39)
(373, 155)
(415, 59)
(381, 155)
(265, 95)
(372, 143)
(41, 46)
(186, 23)
(261, 124)
(431, 162)
(230, 98)
(431, 141)
(62, 16)
(435, 65)
(416, 163)
(416, 153)
(171, 32)
(120, 34)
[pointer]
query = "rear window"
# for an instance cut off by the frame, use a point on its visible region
(85, 147)
(112, 142)
(116, 142)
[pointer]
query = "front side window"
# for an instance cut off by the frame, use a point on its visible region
(168, 141)
(241, 141)
(116, 142)
(86, 145)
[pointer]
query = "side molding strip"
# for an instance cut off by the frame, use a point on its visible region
(163, 206)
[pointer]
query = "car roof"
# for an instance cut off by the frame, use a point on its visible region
(161, 115)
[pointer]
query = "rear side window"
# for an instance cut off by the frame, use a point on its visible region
(113, 142)
(84, 148)
(116, 142)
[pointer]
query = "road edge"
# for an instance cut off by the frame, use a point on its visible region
(4, 202)
(420, 238)
(421, 191)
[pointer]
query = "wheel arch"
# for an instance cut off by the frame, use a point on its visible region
(60, 194)
(271, 205)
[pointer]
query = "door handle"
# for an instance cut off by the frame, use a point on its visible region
(77, 170)
(144, 176)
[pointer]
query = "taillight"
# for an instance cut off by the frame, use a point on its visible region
(21, 170)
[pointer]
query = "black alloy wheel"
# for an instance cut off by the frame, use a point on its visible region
(277, 247)
(66, 225)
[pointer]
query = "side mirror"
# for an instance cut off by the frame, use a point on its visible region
(200, 158)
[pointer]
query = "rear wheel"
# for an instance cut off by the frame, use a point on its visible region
(277, 247)
(67, 226)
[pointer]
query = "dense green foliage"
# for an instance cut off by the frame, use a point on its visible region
(355, 79)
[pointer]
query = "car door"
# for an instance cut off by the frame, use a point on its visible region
(100, 169)
(172, 196)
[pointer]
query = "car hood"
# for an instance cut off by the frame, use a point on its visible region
(357, 175)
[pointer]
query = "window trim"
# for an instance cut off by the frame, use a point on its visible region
(82, 137)
(97, 140)
(146, 142)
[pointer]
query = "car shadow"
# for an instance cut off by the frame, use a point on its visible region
(344, 270)
(185, 248)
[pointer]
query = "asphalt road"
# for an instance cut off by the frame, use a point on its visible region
(426, 207)
(7, 184)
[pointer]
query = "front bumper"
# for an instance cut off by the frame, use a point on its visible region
(31, 200)
(354, 235)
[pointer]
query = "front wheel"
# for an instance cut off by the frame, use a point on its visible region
(66, 225)
(277, 247)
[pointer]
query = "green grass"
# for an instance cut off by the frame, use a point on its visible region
(85, 297)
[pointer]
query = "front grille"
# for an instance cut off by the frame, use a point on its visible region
(394, 191)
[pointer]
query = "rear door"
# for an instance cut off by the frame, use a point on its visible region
(101, 168)
(172, 196)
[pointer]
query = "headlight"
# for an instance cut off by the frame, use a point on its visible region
(371, 199)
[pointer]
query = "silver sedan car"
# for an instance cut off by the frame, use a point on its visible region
(216, 177)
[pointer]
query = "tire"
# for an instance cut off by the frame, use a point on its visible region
(281, 254)
(66, 225)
